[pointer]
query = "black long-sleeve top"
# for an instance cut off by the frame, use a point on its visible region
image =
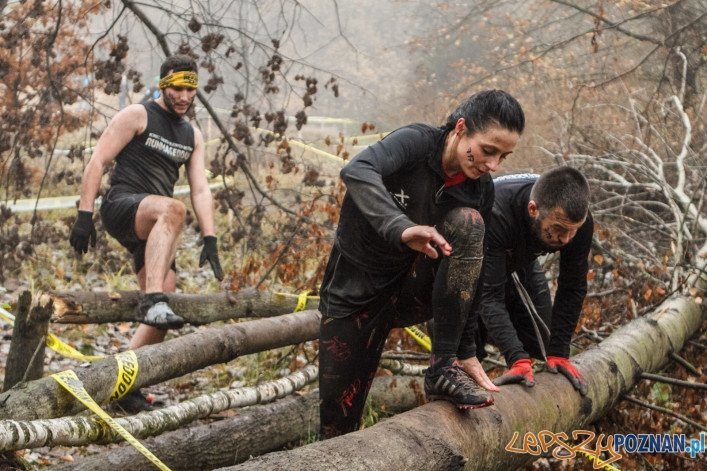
(392, 185)
(395, 184)
(510, 245)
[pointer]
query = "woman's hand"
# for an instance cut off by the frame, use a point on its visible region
(424, 239)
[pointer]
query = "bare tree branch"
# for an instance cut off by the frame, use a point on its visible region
(616, 26)
(664, 410)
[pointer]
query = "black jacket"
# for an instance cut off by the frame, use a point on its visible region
(392, 185)
(511, 245)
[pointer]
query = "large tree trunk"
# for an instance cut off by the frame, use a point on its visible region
(88, 307)
(256, 430)
(44, 398)
(438, 436)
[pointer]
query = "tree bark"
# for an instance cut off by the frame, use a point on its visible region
(84, 430)
(25, 361)
(256, 430)
(45, 399)
(438, 436)
(88, 307)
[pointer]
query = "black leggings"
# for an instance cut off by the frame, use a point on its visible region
(350, 347)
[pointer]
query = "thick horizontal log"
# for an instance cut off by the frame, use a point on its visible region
(45, 399)
(88, 307)
(256, 430)
(437, 436)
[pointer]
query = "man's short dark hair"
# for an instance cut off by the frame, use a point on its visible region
(486, 108)
(177, 63)
(565, 187)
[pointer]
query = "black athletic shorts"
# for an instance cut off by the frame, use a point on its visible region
(118, 210)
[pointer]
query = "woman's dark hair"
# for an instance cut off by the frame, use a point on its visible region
(177, 63)
(489, 107)
(563, 187)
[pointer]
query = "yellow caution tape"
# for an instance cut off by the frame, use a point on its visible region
(301, 301)
(420, 337)
(65, 202)
(69, 381)
(127, 373)
(8, 316)
(290, 295)
(304, 146)
(67, 350)
(599, 463)
(377, 136)
(55, 343)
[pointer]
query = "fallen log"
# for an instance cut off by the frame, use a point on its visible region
(256, 430)
(220, 443)
(45, 399)
(88, 307)
(82, 430)
(437, 436)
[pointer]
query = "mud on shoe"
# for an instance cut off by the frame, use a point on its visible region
(154, 311)
(448, 381)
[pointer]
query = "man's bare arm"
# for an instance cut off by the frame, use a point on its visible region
(201, 198)
(124, 126)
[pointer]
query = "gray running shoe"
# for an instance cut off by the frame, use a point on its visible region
(154, 311)
(450, 382)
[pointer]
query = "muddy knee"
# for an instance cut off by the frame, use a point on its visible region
(464, 230)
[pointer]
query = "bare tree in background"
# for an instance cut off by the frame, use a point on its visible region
(55, 81)
(537, 49)
(649, 185)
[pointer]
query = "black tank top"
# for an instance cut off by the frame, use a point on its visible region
(150, 162)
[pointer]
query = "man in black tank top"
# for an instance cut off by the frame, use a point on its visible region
(149, 144)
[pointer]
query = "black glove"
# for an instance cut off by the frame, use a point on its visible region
(210, 253)
(82, 232)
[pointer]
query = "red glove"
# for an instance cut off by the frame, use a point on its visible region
(521, 372)
(564, 366)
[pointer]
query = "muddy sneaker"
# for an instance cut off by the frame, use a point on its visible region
(134, 402)
(450, 382)
(154, 310)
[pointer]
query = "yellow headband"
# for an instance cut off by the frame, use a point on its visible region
(184, 78)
